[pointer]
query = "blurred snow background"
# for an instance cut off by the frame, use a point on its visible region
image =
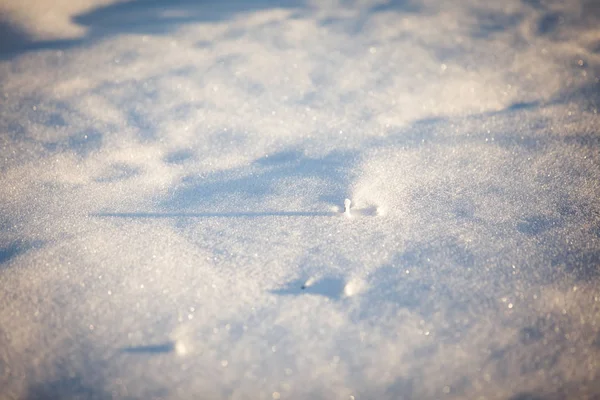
(173, 175)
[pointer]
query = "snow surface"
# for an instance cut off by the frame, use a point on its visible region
(173, 177)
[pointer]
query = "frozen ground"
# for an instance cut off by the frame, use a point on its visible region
(173, 176)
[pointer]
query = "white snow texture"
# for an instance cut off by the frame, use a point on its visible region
(173, 179)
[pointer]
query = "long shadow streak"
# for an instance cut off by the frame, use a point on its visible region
(150, 349)
(217, 215)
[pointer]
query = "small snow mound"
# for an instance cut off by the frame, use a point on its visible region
(180, 348)
(354, 287)
(309, 282)
(347, 204)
